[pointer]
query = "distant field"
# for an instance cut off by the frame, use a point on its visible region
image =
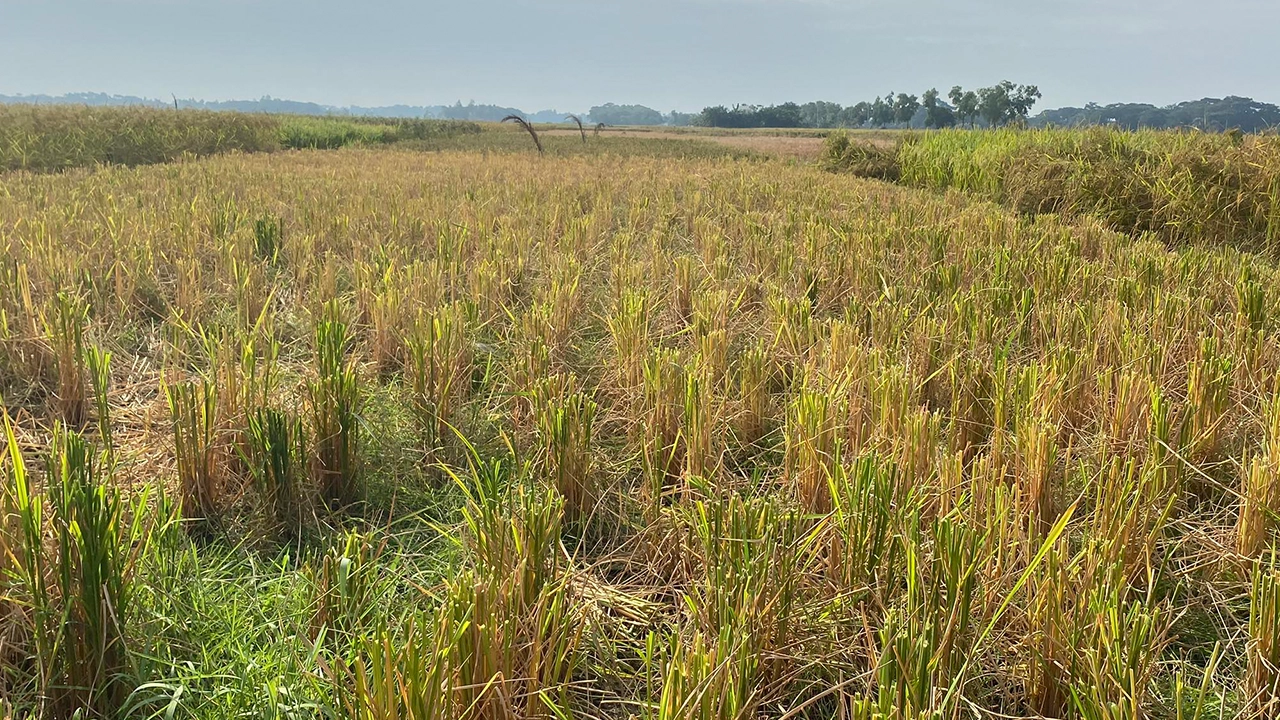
(416, 424)
(798, 147)
(562, 142)
(52, 138)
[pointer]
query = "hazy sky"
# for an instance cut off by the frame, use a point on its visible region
(669, 54)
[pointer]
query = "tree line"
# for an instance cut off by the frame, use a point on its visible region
(1212, 114)
(1000, 105)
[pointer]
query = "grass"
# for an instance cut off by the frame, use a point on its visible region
(56, 138)
(623, 431)
(328, 133)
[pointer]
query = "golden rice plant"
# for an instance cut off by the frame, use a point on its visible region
(277, 457)
(712, 360)
(685, 284)
(1056, 621)
(530, 363)
(565, 419)
(741, 648)
(1260, 493)
(1259, 507)
(345, 588)
(1131, 512)
(659, 433)
(794, 333)
(922, 643)
(65, 325)
(382, 301)
(754, 380)
(440, 362)
(243, 371)
(1039, 454)
(75, 553)
(513, 626)
(629, 328)
(698, 427)
(1262, 680)
(200, 448)
(1208, 398)
(562, 308)
(812, 449)
(336, 402)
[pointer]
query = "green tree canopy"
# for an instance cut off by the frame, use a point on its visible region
(904, 108)
(1006, 103)
(936, 114)
(965, 103)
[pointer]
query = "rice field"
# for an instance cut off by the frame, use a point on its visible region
(56, 138)
(51, 138)
(387, 434)
(1183, 188)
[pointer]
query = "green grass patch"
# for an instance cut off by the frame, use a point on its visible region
(50, 138)
(327, 133)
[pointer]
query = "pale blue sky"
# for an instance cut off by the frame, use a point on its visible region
(669, 54)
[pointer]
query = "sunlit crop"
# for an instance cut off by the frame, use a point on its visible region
(389, 434)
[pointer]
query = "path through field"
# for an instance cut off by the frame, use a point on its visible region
(800, 148)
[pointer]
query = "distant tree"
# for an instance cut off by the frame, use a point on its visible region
(545, 116)
(956, 96)
(1006, 103)
(680, 119)
(882, 111)
(786, 115)
(714, 116)
(994, 103)
(1021, 100)
(1212, 114)
(821, 114)
(929, 101)
(936, 114)
(904, 108)
(966, 104)
(856, 116)
(472, 111)
(612, 114)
